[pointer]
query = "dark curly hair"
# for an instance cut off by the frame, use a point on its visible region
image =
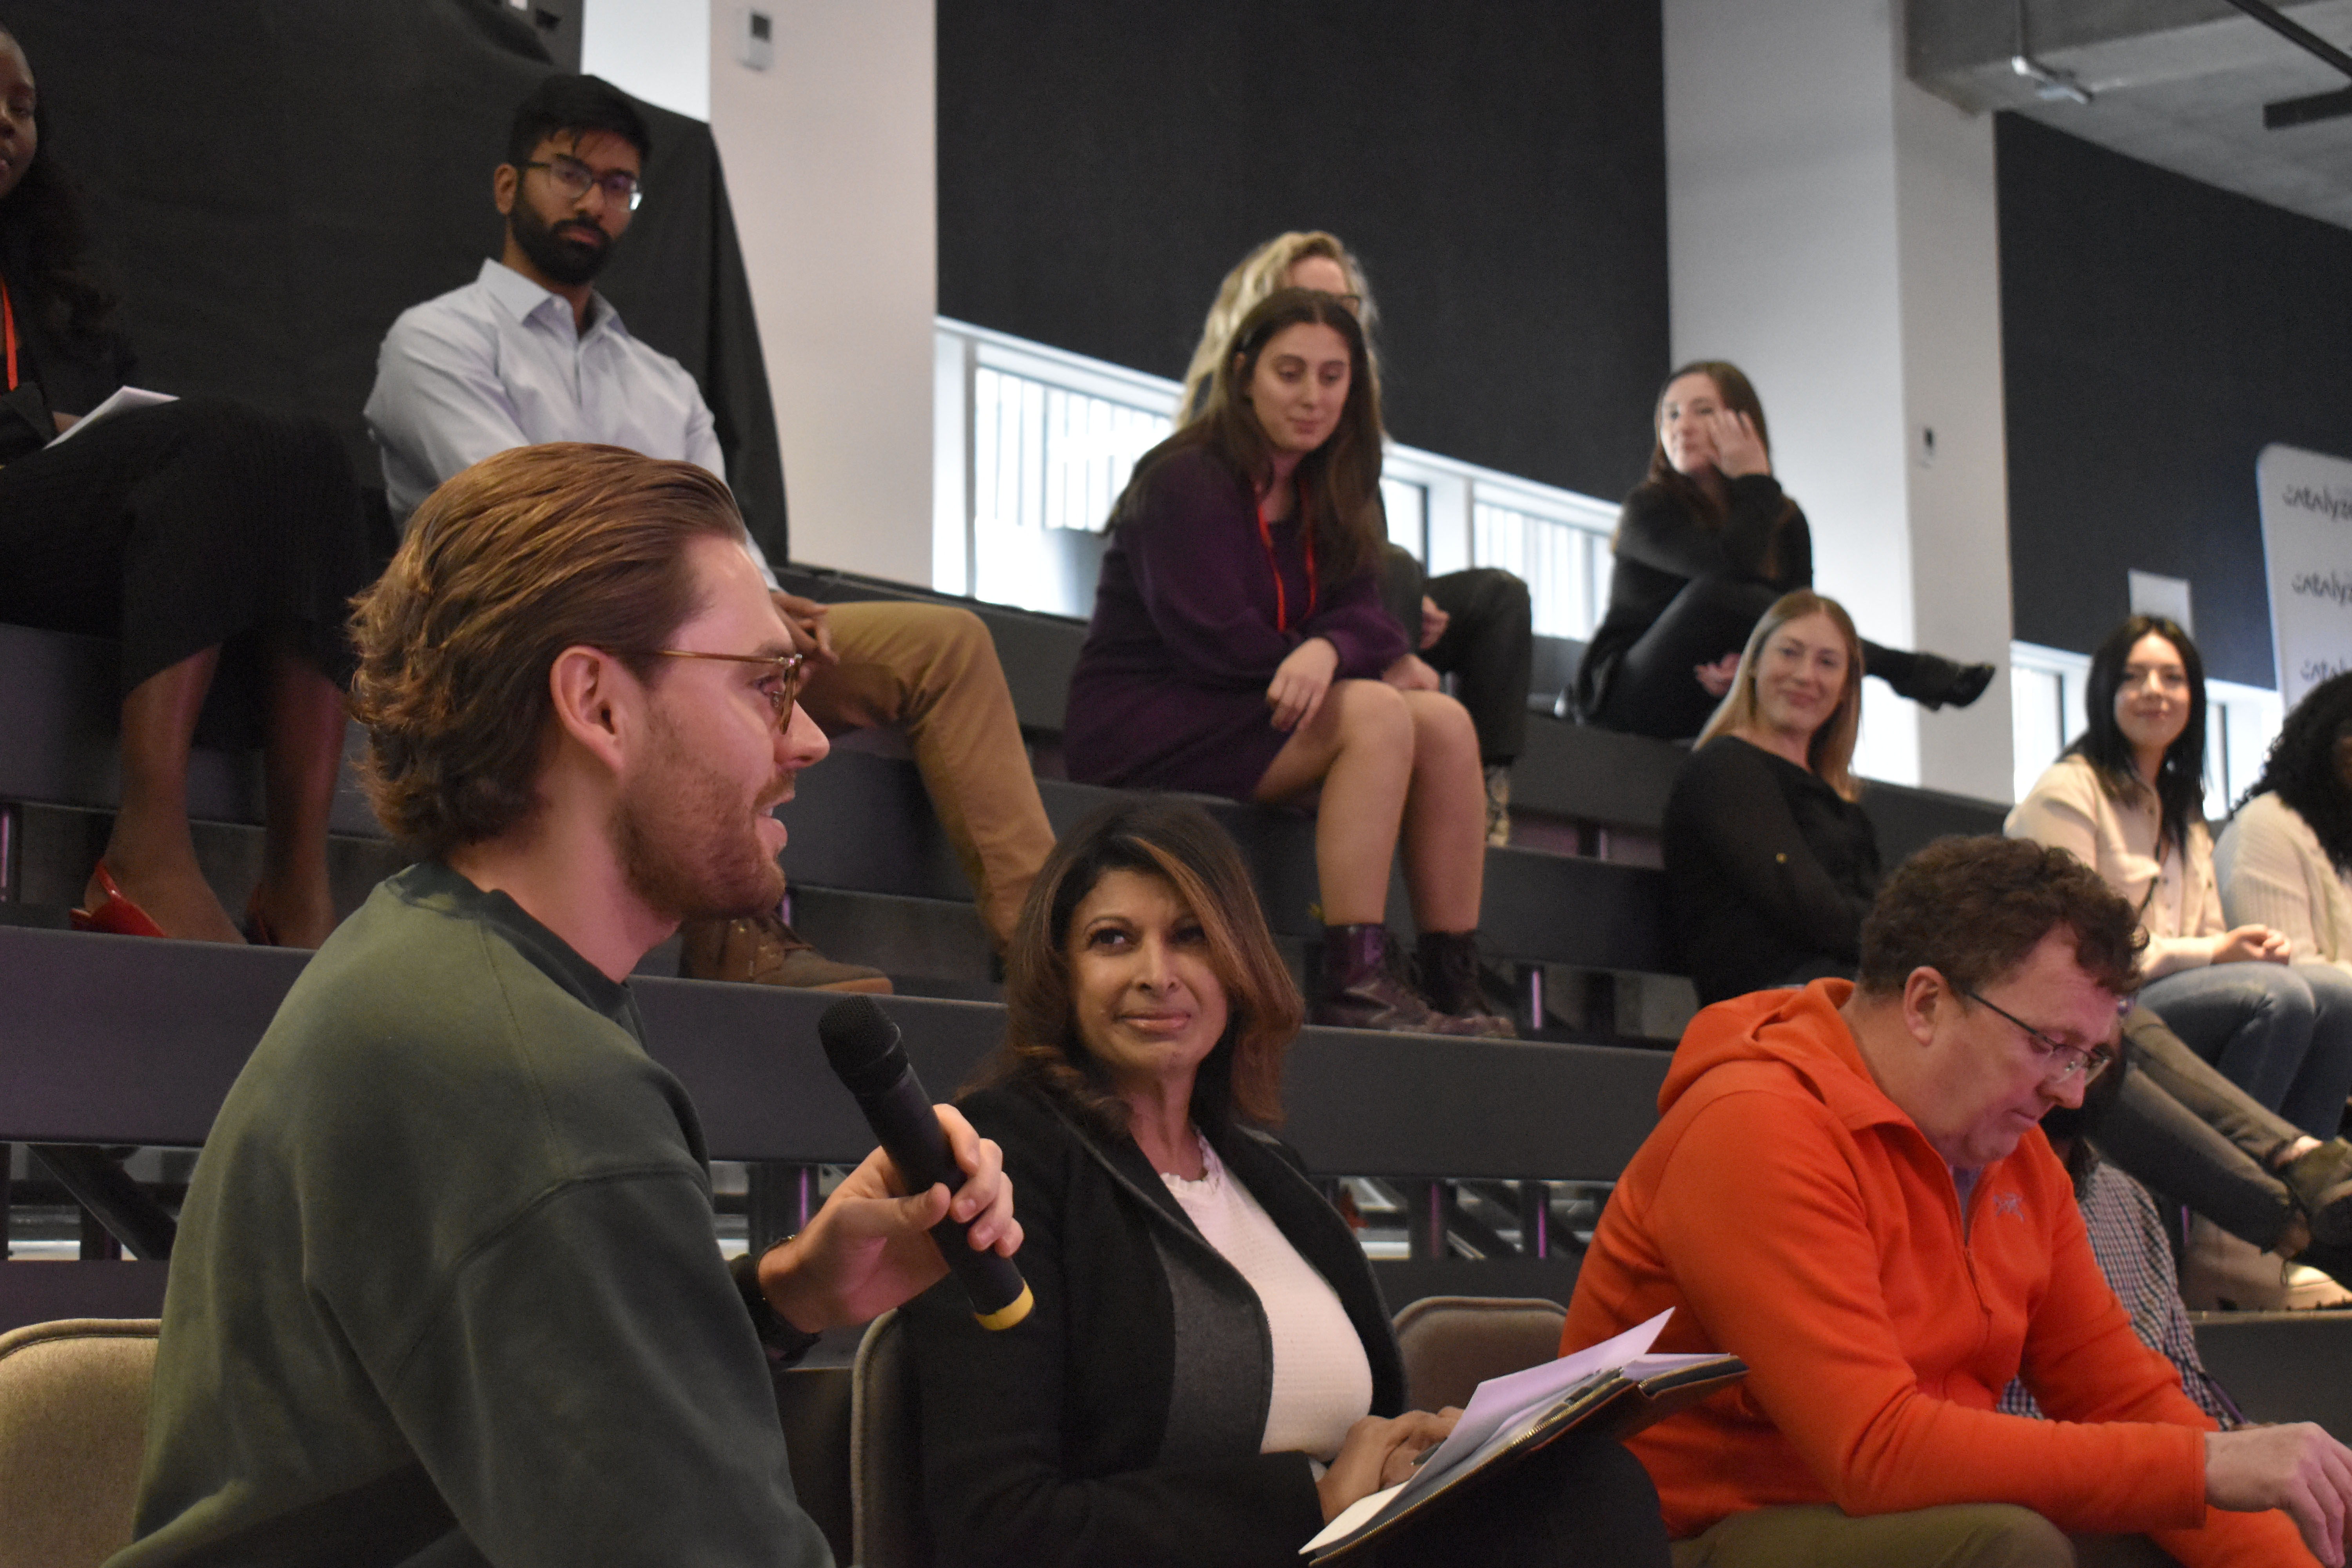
(515, 559)
(2301, 768)
(45, 242)
(1972, 909)
(1180, 843)
(2180, 780)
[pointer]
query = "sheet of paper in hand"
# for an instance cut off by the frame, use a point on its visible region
(122, 400)
(1612, 1389)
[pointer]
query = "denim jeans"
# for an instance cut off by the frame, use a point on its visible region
(2280, 1032)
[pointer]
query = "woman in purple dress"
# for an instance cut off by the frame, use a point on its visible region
(1237, 648)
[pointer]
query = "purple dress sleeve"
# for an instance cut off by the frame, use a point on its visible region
(1203, 578)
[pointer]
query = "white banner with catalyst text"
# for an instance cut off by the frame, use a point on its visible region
(2307, 543)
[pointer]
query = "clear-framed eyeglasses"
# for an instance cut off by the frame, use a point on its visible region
(781, 686)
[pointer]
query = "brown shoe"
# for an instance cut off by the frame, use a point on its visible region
(761, 949)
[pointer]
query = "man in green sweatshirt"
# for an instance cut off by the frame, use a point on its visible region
(446, 1288)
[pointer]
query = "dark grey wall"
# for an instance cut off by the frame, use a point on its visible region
(2157, 333)
(1499, 167)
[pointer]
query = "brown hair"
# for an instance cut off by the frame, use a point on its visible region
(1738, 395)
(1829, 753)
(1177, 842)
(520, 556)
(1339, 481)
(1972, 909)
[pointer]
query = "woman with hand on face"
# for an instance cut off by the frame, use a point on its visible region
(1770, 864)
(2127, 798)
(1239, 649)
(1476, 625)
(1704, 546)
(1208, 1375)
(171, 530)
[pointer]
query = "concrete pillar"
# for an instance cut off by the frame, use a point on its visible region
(830, 167)
(1830, 231)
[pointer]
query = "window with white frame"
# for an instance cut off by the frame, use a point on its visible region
(1034, 446)
(2046, 715)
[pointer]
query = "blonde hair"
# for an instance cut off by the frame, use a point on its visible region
(1829, 753)
(1261, 273)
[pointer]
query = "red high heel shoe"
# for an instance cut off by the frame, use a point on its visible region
(115, 913)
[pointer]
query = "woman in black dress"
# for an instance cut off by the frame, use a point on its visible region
(1704, 546)
(1770, 864)
(173, 530)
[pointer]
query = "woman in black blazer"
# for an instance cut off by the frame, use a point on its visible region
(1208, 1375)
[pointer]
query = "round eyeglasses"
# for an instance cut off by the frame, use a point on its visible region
(780, 687)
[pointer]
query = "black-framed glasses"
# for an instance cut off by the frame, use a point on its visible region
(573, 177)
(780, 688)
(2062, 1061)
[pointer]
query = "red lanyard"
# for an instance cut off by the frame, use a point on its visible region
(1266, 537)
(8, 313)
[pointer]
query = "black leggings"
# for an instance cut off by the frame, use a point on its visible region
(1653, 692)
(175, 529)
(1489, 646)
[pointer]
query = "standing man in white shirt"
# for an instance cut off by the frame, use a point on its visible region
(530, 353)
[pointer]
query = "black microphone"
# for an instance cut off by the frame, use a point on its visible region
(862, 1044)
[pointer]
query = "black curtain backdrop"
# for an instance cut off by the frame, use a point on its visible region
(1499, 167)
(272, 183)
(2155, 334)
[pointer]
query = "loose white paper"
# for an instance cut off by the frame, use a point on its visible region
(122, 400)
(1496, 1413)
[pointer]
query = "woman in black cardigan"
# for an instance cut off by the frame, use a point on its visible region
(1770, 864)
(1208, 1375)
(1703, 547)
(172, 531)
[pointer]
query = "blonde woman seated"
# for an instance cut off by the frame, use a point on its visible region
(1209, 1374)
(1770, 864)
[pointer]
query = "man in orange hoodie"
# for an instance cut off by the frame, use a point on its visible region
(1848, 1189)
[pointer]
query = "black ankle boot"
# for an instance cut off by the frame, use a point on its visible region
(1934, 681)
(2321, 1181)
(1446, 963)
(1360, 989)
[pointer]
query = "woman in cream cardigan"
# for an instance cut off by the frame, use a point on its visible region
(2125, 798)
(2282, 859)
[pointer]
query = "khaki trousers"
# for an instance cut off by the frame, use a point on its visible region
(1967, 1535)
(931, 670)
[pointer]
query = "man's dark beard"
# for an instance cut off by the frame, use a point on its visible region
(561, 257)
